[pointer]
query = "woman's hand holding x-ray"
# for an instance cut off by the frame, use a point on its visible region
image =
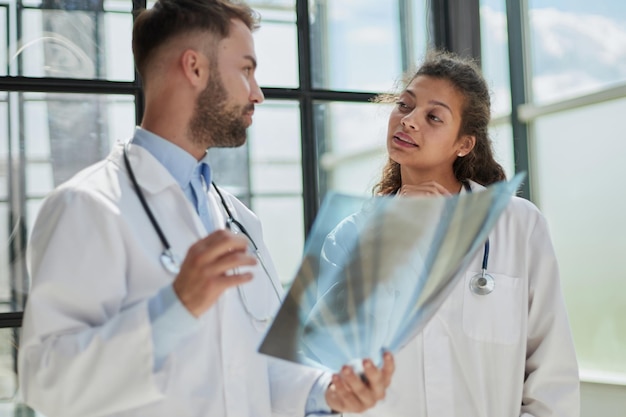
(207, 270)
(349, 392)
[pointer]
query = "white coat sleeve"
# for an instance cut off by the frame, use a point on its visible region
(551, 387)
(290, 385)
(82, 353)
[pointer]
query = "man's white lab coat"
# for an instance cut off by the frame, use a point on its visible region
(86, 347)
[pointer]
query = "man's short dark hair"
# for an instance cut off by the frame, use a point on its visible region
(170, 18)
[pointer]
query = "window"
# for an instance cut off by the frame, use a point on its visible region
(578, 84)
(495, 66)
(576, 47)
(67, 92)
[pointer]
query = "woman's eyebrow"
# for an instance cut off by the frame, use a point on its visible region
(440, 103)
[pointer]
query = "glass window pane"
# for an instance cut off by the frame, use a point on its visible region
(577, 47)
(266, 174)
(276, 44)
(577, 190)
(229, 170)
(364, 45)
(283, 231)
(116, 50)
(6, 236)
(356, 44)
(6, 228)
(270, 161)
(495, 54)
(55, 135)
(75, 130)
(4, 41)
(502, 142)
(275, 150)
(419, 35)
(352, 138)
(75, 44)
(4, 147)
(118, 5)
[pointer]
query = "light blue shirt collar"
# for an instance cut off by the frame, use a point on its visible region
(179, 163)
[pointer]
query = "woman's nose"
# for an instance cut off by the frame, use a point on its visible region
(408, 121)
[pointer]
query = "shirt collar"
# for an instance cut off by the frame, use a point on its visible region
(178, 162)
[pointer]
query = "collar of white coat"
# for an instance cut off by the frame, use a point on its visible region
(151, 175)
(474, 186)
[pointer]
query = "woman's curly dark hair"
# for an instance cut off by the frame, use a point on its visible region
(466, 77)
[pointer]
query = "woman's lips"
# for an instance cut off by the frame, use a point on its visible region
(404, 140)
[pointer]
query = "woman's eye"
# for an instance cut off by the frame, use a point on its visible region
(402, 105)
(247, 70)
(434, 118)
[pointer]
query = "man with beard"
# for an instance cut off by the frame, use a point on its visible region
(143, 303)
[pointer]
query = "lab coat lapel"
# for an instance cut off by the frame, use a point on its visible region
(159, 185)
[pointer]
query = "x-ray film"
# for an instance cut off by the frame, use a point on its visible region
(375, 270)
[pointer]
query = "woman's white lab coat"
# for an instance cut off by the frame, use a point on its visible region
(86, 346)
(505, 354)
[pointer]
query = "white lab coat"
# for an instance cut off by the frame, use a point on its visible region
(506, 354)
(86, 346)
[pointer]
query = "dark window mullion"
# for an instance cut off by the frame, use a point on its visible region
(317, 94)
(66, 85)
(309, 145)
(515, 22)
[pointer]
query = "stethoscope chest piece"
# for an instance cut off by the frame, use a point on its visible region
(169, 261)
(482, 284)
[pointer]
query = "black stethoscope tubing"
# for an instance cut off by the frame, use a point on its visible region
(169, 260)
(486, 255)
(142, 199)
(167, 257)
(482, 283)
(231, 219)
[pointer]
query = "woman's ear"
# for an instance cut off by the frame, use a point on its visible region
(466, 144)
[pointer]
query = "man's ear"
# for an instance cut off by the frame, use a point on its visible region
(466, 144)
(195, 67)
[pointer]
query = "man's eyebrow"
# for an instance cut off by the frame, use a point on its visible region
(251, 59)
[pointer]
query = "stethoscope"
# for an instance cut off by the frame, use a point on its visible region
(482, 283)
(171, 262)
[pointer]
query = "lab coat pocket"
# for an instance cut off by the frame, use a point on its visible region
(495, 317)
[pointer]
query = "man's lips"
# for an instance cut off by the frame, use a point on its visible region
(248, 110)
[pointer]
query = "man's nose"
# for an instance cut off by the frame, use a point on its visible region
(256, 94)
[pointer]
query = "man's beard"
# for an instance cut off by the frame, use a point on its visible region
(213, 123)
